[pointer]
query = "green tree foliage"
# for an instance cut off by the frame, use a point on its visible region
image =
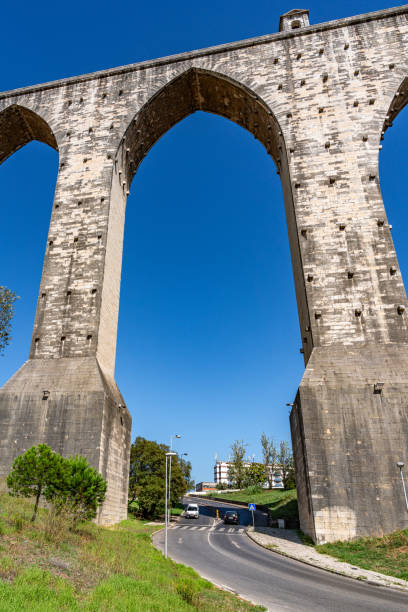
(255, 475)
(81, 492)
(185, 467)
(7, 299)
(285, 459)
(221, 486)
(270, 457)
(70, 485)
(147, 477)
(39, 471)
(236, 470)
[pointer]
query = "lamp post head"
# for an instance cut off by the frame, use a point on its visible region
(178, 436)
(171, 454)
(400, 465)
(290, 404)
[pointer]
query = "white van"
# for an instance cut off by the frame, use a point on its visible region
(192, 511)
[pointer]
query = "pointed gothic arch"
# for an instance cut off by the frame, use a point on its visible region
(19, 126)
(193, 90)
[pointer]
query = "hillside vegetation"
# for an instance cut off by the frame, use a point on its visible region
(387, 555)
(282, 504)
(45, 567)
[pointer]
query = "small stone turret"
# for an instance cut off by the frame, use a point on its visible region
(294, 19)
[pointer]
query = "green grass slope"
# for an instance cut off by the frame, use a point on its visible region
(282, 504)
(46, 567)
(387, 555)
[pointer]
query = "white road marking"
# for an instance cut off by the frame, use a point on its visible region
(241, 530)
(202, 528)
(180, 540)
(221, 529)
(192, 528)
(185, 527)
(231, 530)
(235, 544)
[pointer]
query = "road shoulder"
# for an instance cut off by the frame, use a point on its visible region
(286, 542)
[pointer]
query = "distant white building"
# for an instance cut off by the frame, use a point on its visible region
(221, 474)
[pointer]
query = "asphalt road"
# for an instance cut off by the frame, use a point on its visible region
(226, 556)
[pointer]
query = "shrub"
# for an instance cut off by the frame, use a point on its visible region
(187, 589)
(81, 492)
(18, 522)
(254, 489)
(221, 486)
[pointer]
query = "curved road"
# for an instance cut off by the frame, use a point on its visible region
(226, 556)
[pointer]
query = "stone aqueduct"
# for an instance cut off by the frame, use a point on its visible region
(319, 98)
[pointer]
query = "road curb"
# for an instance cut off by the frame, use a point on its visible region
(394, 586)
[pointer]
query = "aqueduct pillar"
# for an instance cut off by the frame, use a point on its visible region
(319, 98)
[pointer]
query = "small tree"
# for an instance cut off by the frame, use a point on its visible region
(285, 459)
(70, 485)
(270, 457)
(255, 475)
(185, 467)
(236, 469)
(7, 299)
(39, 471)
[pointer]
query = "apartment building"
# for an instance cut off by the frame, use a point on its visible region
(221, 474)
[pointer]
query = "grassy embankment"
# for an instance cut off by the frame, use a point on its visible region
(177, 509)
(282, 504)
(387, 555)
(45, 567)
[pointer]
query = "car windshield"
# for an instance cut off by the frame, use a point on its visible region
(192, 508)
(231, 513)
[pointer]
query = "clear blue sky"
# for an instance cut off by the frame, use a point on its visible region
(208, 342)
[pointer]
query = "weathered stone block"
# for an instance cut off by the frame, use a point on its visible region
(82, 412)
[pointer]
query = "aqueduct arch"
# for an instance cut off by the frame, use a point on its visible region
(19, 126)
(329, 88)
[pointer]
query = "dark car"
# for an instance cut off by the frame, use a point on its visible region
(231, 516)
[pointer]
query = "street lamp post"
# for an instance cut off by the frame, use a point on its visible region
(401, 465)
(171, 448)
(166, 518)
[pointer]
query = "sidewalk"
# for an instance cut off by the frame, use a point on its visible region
(287, 543)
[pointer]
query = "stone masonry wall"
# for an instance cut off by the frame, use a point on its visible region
(320, 99)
